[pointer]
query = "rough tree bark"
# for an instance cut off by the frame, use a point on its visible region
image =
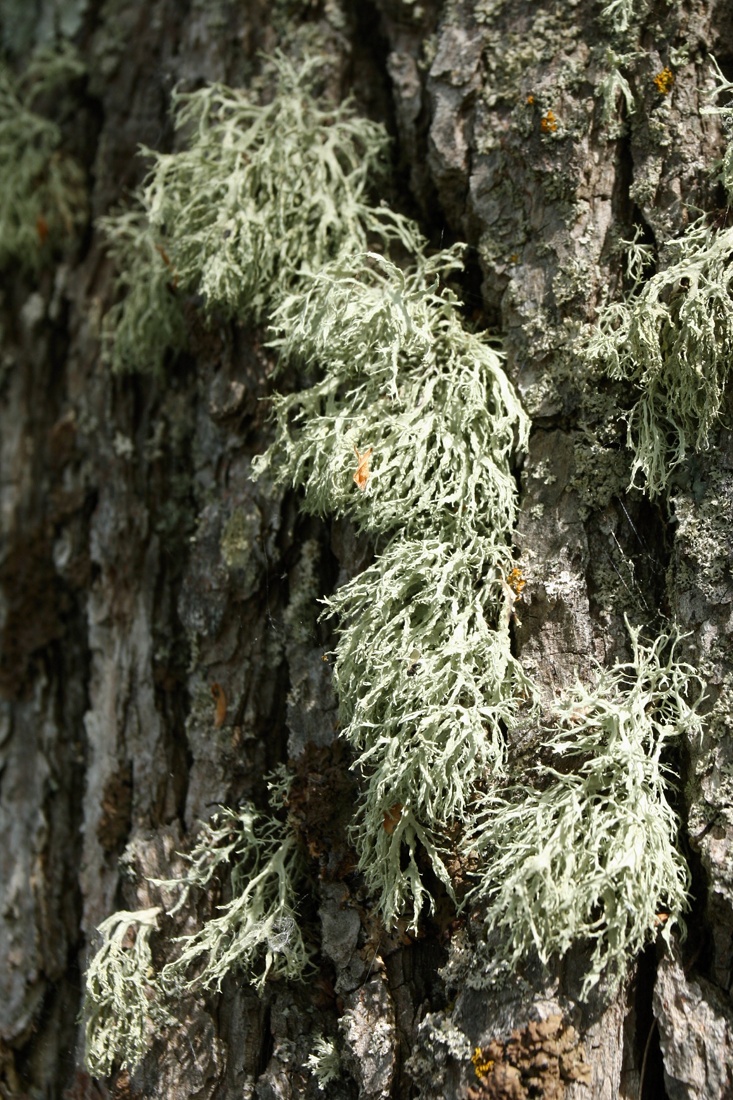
(125, 595)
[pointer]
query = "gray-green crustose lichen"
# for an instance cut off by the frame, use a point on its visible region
(42, 188)
(588, 853)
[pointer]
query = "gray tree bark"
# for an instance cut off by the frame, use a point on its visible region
(124, 599)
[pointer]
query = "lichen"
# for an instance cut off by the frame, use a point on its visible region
(674, 342)
(256, 931)
(122, 996)
(325, 1062)
(257, 861)
(587, 853)
(401, 375)
(257, 196)
(672, 338)
(42, 188)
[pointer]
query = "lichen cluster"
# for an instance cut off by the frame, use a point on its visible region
(672, 338)
(256, 861)
(410, 428)
(424, 670)
(42, 188)
(256, 197)
(587, 853)
(121, 1002)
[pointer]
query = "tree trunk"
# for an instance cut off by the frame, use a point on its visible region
(161, 651)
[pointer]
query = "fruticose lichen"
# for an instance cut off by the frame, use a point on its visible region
(673, 339)
(255, 933)
(409, 428)
(122, 997)
(587, 853)
(42, 189)
(257, 197)
(424, 669)
(325, 1062)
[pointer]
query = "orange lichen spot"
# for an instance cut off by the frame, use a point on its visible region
(517, 583)
(481, 1065)
(42, 229)
(548, 123)
(530, 100)
(661, 919)
(220, 699)
(664, 81)
(391, 817)
(362, 469)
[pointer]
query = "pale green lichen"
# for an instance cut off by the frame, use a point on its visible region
(426, 683)
(424, 669)
(147, 324)
(256, 860)
(258, 196)
(256, 931)
(674, 341)
(122, 998)
(587, 854)
(403, 376)
(42, 189)
(325, 1062)
(672, 338)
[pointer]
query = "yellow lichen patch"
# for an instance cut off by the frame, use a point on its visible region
(481, 1065)
(664, 81)
(548, 123)
(516, 581)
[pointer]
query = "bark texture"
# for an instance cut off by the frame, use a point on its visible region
(140, 566)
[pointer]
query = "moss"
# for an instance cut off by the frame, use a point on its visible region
(42, 189)
(588, 853)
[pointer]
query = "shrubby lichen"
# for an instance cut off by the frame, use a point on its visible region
(266, 210)
(122, 998)
(587, 853)
(255, 933)
(147, 324)
(674, 341)
(325, 1062)
(257, 196)
(401, 374)
(42, 188)
(672, 337)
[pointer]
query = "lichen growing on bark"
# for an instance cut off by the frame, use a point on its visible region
(122, 998)
(672, 338)
(42, 188)
(588, 852)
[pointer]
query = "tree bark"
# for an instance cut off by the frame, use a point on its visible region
(125, 594)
